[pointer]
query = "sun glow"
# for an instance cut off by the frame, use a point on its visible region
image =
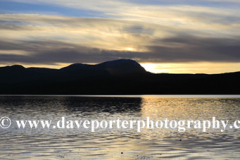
(200, 67)
(154, 68)
(129, 49)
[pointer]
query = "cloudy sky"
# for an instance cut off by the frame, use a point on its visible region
(175, 36)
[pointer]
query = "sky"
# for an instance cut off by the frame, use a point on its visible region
(164, 36)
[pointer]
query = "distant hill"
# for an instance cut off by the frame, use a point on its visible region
(113, 77)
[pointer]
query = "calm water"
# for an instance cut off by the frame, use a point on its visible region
(118, 143)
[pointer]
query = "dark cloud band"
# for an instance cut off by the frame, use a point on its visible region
(179, 49)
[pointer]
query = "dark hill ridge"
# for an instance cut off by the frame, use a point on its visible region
(121, 66)
(113, 77)
(17, 73)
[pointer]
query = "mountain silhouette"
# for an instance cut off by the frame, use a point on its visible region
(121, 76)
(116, 67)
(122, 66)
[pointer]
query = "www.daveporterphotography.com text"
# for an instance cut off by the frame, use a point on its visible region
(93, 125)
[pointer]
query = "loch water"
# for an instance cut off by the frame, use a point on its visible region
(81, 143)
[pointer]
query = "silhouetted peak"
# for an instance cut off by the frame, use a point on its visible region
(120, 62)
(75, 66)
(15, 67)
(123, 66)
(115, 67)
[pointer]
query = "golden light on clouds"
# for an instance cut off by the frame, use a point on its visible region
(14, 52)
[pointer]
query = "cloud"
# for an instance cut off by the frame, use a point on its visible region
(180, 49)
(197, 49)
(177, 33)
(179, 12)
(50, 52)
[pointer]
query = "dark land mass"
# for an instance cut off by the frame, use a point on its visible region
(112, 77)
